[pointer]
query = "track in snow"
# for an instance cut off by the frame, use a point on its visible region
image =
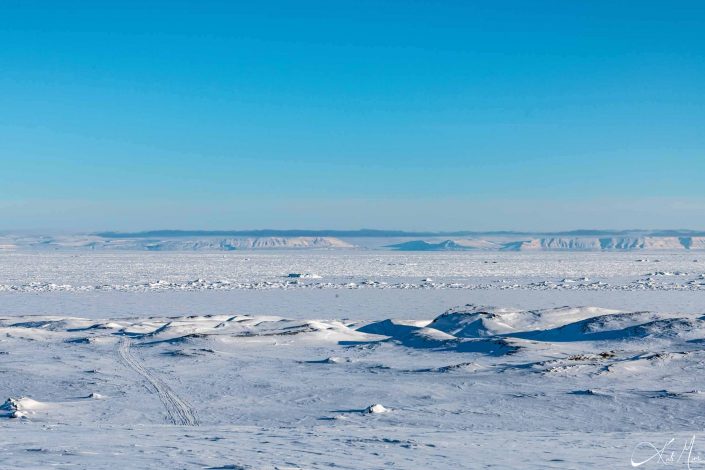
(178, 410)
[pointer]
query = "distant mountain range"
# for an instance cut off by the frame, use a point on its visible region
(557, 243)
(98, 243)
(202, 240)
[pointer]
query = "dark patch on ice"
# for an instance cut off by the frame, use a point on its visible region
(592, 357)
(97, 326)
(82, 340)
(591, 392)
(177, 340)
(328, 360)
(229, 466)
(188, 352)
(663, 394)
(32, 324)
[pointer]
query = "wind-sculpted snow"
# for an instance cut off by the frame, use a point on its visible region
(473, 371)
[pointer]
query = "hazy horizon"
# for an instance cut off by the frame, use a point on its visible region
(356, 232)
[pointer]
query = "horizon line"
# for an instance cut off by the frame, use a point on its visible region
(381, 233)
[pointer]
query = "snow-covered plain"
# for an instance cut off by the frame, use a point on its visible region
(351, 360)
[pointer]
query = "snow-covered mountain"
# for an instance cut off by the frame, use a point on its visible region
(607, 243)
(173, 244)
(623, 243)
(229, 244)
(501, 242)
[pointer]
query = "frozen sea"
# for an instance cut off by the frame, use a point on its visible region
(263, 360)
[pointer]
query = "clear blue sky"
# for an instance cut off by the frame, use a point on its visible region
(334, 114)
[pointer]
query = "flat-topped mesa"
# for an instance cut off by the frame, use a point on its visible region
(608, 243)
(253, 243)
(693, 243)
(589, 241)
(558, 243)
(178, 244)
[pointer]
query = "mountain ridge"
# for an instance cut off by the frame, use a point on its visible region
(558, 244)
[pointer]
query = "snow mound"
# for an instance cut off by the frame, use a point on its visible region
(50, 323)
(622, 326)
(376, 409)
(336, 360)
(503, 331)
(462, 367)
(473, 321)
(227, 328)
(20, 407)
(591, 392)
(415, 334)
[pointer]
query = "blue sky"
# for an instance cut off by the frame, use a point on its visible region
(384, 114)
